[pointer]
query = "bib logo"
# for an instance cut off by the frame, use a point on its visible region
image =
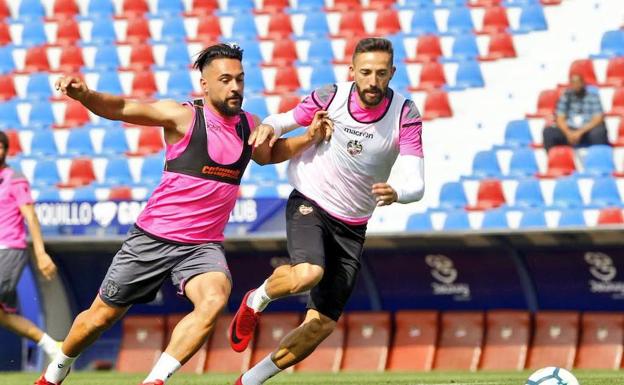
(602, 273)
(354, 147)
(445, 273)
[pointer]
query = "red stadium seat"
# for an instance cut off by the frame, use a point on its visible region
(75, 115)
(208, 28)
(203, 7)
(349, 49)
(610, 216)
(5, 34)
(141, 57)
(7, 87)
(272, 328)
(346, 5)
(431, 76)
(602, 336)
(68, 33)
(284, 53)
(71, 60)
(368, 340)
(134, 8)
(196, 363)
(65, 9)
(120, 193)
(141, 343)
(617, 103)
(221, 357)
(546, 104)
(273, 6)
(584, 68)
(36, 60)
(143, 85)
(560, 162)
(554, 340)
(288, 102)
(615, 72)
(150, 141)
(286, 80)
(506, 340)
(351, 24)
(138, 30)
(327, 357)
(501, 46)
(489, 195)
(80, 173)
(459, 346)
(428, 49)
(387, 22)
(15, 147)
(495, 20)
(280, 26)
(437, 105)
(4, 10)
(414, 342)
(380, 4)
(484, 3)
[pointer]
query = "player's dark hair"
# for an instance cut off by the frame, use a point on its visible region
(4, 139)
(374, 44)
(218, 51)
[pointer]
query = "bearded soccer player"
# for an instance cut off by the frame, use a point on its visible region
(337, 186)
(16, 204)
(179, 233)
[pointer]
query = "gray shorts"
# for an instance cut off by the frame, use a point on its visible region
(144, 262)
(12, 263)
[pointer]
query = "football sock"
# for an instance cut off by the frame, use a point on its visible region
(263, 370)
(259, 299)
(58, 368)
(164, 368)
(49, 346)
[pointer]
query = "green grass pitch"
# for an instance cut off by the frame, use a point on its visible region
(435, 378)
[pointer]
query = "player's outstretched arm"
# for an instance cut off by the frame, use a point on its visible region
(165, 113)
(44, 263)
(410, 187)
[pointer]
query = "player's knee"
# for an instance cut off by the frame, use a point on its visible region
(99, 319)
(211, 306)
(306, 277)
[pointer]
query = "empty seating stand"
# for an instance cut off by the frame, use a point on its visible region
(554, 340)
(506, 341)
(368, 341)
(414, 341)
(143, 341)
(461, 337)
(600, 345)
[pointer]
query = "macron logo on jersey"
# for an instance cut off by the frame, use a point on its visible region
(366, 135)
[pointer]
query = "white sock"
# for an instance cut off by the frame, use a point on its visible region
(49, 345)
(164, 368)
(263, 370)
(259, 299)
(58, 368)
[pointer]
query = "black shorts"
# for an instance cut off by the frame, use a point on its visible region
(12, 263)
(317, 238)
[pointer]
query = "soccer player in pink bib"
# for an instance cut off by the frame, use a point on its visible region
(337, 186)
(179, 233)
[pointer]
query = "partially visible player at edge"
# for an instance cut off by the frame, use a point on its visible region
(179, 232)
(337, 185)
(16, 204)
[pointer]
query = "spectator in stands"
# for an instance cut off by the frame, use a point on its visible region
(16, 205)
(579, 120)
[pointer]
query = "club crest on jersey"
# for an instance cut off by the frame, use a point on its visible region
(305, 210)
(354, 147)
(111, 288)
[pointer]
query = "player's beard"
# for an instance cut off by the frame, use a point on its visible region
(364, 97)
(225, 108)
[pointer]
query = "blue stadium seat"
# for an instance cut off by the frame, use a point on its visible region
(468, 75)
(320, 51)
(152, 169)
(398, 46)
(239, 7)
(6, 59)
(49, 194)
(460, 21)
(464, 48)
(117, 172)
(452, 3)
(323, 74)
(173, 30)
(523, 163)
(33, 34)
(567, 194)
(179, 85)
(79, 143)
(106, 59)
(8, 116)
(244, 27)
(518, 133)
(419, 222)
(43, 144)
(176, 57)
(308, 5)
(611, 44)
(256, 105)
(103, 32)
(532, 219)
(114, 141)
(528, 194)
(532, 19)
(254, 82)
(269, 191)
(100, 9)
(423, 23)
(400, 80)
(452, 196)
(605, 193)
(571, 218)
(41, 115)
(494, 219)
(38, 87)
(31, 10)
(108, 81)
(85, 194)
(252, 56)
(519, 3)
(599, 161)
(315, 26)
(456, 220)
(45, 173)
(485, 165)
(262, 175)
(416, 4)
(169, 8)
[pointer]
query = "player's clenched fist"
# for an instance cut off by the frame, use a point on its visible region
(321, 126)
(72, 86)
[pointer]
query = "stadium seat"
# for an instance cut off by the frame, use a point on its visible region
(272, 328)
(240, 7)
(598, 161)
(81, 173)
(501, 46)
(106, 59)
(546, 103)
(494, 219)
(45, 173)
(7, 64)
(305, 6)
(571, 218)
(533, 218)
(532, 19)
(566, 194)
(48, 194)
(152, 169)
(560, 162)
(437, 105)
(84, 194)
(7, 88)
(431, 76)
(284, 54)
(173, 30)
(280, 27)
(489, 195)
(327, 357)
(8, 116)
(554, 339)
(141, 57)
(528, 194)
(273, 6)
(351, 24)
(169, 9)
(120, 194)
(286, 80)
(349, 49)
(15, 147)
(506, 340)
(611, 44)
(102, 33)
(150, 141)
(203, 7)
(179, 85)
(320, 52)
(423, 23)
(601, 339)
(617, 103)
(610, 216)
(605, 193)
(460, 21)
(400, 81)
(615, 72)
(221, 357)
(414, 340)
(485, 165)
(315, 26)
(100, 10)
(142, 342)
(108, 81)
(79, 143)
(38, 87)
(117, 172)
(36, 60)
(143, 85)
(518, 133)
(71, 60)
(41, 115)
(345, 5)
(5, 34)
(495, 20)
(65, 10)
(33, 34)
(5, 12)
(75, 115)
(367, 342)
(428, 48)
(177, 57)
(419, 222)
(323, 74)
(30, 10)
(138, 31)
(197, 362)
(68, 33)
(244, 27)
(134, 8)
(256, 105)
(452, 196)
(288, 102)
(464, 48)
(468, 75)
(252, 56)
(43, 144)
(584, 68)
(461, 337)
(387, 22)
(456, 220)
